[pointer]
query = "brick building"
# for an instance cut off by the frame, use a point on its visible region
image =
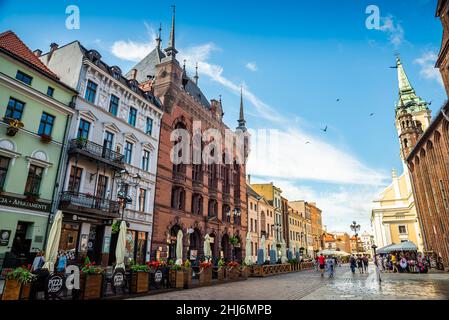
(198, 199)
(428, 161)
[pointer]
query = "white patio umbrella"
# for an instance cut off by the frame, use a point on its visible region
(248, 255)
(51, 250)
(263, 245)
(120, 250)
(179, 248)
(207, 249)
(284, 252)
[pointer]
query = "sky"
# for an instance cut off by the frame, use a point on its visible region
(304, 66)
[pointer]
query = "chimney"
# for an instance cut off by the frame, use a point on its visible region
(53, 47)
(249, 179)
(133, 74)
(37, 53)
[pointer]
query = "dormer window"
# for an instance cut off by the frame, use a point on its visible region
(116, 72)
(133, 84)
(94, 56)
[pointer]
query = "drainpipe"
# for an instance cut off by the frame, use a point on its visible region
(58, 177)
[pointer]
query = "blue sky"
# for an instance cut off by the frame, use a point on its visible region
(295, 59)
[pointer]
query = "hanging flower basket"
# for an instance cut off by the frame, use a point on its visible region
(13, 126)
(45, 138)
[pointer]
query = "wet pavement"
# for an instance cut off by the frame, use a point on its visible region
(309, 285)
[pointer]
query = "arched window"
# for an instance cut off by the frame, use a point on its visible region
(405, 143)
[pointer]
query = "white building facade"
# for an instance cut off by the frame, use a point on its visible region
(113, 142)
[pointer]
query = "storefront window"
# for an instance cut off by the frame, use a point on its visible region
(136, 246)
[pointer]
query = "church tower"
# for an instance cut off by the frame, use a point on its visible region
(412, 114)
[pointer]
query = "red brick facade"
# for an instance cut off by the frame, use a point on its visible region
(429, 164)
(194, 198)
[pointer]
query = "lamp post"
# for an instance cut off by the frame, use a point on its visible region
(356, 228)
(374, 247)
(125, 179)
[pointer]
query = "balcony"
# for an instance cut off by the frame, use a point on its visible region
(79, 202)
(95, 151)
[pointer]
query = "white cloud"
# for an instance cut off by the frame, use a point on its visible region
(251, 66)
(340, 206)
(135, 51)
(427, 63)
(296, 155)
(394, 30)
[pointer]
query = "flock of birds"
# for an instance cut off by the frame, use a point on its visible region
(325, 130)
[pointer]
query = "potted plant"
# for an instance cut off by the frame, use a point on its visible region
(187, 274)
(115, 228)
(294, 264)
(91, 283)
(244, 271)
(221, 270)
(80, 142)
(18, 284)
(139, 278)
(13, 126)
(176, 276)
(233, 270)
(45, 138)
(234, 241)
(205, 272)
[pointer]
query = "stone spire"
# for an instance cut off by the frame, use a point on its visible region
(196, 77)
(171, 49)
(241, 121)
(407, 95)
(159, 38)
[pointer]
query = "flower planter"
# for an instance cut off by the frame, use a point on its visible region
(233, 273)
(11, 131)
(176, 279)
(187, 278)
(91, 286)
(46, 139)
(244, 272)
(139, 282)
(205, 276)
(221, 274)
(12, 290)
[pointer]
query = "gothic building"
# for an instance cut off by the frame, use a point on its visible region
(199, 199)
(428, 161)
(394, 218)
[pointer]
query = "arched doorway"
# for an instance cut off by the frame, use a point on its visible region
(172, 242)
(238, 254)
(226, 247)
(195, 249)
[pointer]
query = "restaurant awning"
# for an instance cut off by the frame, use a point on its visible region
(383, 250)
(403, 246)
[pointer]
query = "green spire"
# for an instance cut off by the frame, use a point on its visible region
(407, 95)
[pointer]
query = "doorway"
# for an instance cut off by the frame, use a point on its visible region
(21, 245)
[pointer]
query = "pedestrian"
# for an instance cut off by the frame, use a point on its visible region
(322, 263)
(62, 262)
(38, 262)
(359, 264)
(365, 263)
(352, 263)
(330, 266)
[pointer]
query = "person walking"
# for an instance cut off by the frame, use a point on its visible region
(322, 263)
(62, 262)
(359, 264)
(352, 264)
(365, 263)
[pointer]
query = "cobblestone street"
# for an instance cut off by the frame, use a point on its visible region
(308, 285)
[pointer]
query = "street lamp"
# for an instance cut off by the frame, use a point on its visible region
(356, 228)
(374, 247)
(125, 179)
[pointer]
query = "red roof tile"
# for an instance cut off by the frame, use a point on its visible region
(10, 42)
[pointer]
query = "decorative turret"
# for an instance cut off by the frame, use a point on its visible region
(171, 49)
(407, 95)
(241, 121)
(196, 77)
(159, 38)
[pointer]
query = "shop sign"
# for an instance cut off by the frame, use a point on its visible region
(118, 278)
(55, 284)
(24, 204)
(158, 276)
(5, 235)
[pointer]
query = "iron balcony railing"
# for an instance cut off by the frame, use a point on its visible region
(78, 201)
(96, 150)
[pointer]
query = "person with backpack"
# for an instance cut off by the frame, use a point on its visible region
(352, 264)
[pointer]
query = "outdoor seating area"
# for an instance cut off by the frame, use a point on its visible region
(404, 257)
